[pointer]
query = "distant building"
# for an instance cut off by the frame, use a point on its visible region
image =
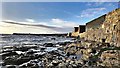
(78, 30)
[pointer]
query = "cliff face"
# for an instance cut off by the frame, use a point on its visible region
(109, 30)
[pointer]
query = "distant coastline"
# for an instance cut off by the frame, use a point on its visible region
(57, 34)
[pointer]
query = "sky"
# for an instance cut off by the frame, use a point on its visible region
(55, 14)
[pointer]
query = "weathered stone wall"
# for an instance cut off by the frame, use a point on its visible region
(112, 27)
(109, 30)
(95, 23)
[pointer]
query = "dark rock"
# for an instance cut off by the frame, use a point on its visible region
(43, 48)
(103, 40)
(53, 38)
(30, 52)
(93, 51)
(55, 63)
(21, 48)
(14, 61)
(48, 44)
(8, 54)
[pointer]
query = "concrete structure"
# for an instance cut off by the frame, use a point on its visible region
(106, 27)
(96, 23)
(78, 30)
(82, 28)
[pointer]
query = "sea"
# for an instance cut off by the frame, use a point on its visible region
(12, 40)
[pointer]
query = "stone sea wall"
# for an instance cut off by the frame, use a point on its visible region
(109, 30)
(95, 23)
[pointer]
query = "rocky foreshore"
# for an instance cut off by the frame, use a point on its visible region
(77, 54)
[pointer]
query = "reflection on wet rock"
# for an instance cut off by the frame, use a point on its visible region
(58, 52)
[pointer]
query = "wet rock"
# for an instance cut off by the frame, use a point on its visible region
(62, 65)
(16, 60)
(55, 63)
(39, 54)
(6, 54)
(42, 48)
(71, 50)
(53, 38)
(31, 51)
(50, 65)
(25, 47)
(82, 54)
(74, 65)
(48, 45)
(11, 66)
(21, 48)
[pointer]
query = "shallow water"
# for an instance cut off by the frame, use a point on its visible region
(31, 39)
(37, 46)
